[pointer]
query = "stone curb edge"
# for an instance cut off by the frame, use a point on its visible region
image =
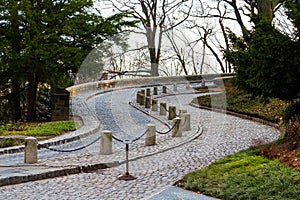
(55, 173)
(243, 116)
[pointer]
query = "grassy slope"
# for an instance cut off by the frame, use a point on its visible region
(247, 174)
(44, 130)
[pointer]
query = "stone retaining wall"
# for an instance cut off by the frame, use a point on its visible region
(88, 87)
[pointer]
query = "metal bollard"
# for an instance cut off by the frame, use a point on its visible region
(154, 105)
(172, 112)
(150, 135)
(106, 143)
(30, 153)
(163, 108)
(155, 91)
(148, 102)
(176, 132)
(186, 122)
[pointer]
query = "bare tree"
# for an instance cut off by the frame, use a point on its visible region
(156, 17)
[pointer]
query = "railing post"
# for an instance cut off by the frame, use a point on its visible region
(154, 105)
(150, 135)
(155, 91)
(142, 99)
(138, 97)
(188, 86)
(172, 112)
(176, 132)
(106, 143)
(164, 89)
(175, 87)
(148, 102)
(186, 122)
(163, 108)
(203, 83)
(30, 153)
(148, 92)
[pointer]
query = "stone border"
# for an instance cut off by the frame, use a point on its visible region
(55, 173)
(243, 116)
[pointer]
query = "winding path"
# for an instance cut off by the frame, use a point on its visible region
(222, 135)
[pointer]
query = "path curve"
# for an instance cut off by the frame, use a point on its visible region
(222, 135)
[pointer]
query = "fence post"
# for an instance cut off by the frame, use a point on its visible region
(138, 97)
(155, 91)
(164, 89)
(106, 143)
(148, 92)
(186, 122)
(202, 83)
(162, 108)
(142, 99)
(172, 112)
(150, 135)
(188, 86)
(154, 105)
(148, 102)
(175, 87)
(30, 153)
(176, 132)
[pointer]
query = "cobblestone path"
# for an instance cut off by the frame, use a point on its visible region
(222, 135)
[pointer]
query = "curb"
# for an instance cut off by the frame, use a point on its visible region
(243, 116)
(55, 173)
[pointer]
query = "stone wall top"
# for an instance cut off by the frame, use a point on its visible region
(93, 86)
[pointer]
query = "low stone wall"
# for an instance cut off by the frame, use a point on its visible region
(89, 87)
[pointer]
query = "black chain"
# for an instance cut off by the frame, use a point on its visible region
(69, 150)
(139, 136)
(163, 133)
(118, 139)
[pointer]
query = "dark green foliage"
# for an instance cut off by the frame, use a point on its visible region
(292, 111)
(46, 42)
(267, 62)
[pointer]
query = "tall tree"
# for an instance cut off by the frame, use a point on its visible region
(156, 17)
(267, 62)
(43, 41)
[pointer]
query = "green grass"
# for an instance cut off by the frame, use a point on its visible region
(10, 142)
(39, 130)
(245, 175)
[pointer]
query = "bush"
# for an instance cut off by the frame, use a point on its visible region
(292, 112)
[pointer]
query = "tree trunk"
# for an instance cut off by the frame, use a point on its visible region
(15, 102)
(153, 60)
(266, 8)
(31, 99)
